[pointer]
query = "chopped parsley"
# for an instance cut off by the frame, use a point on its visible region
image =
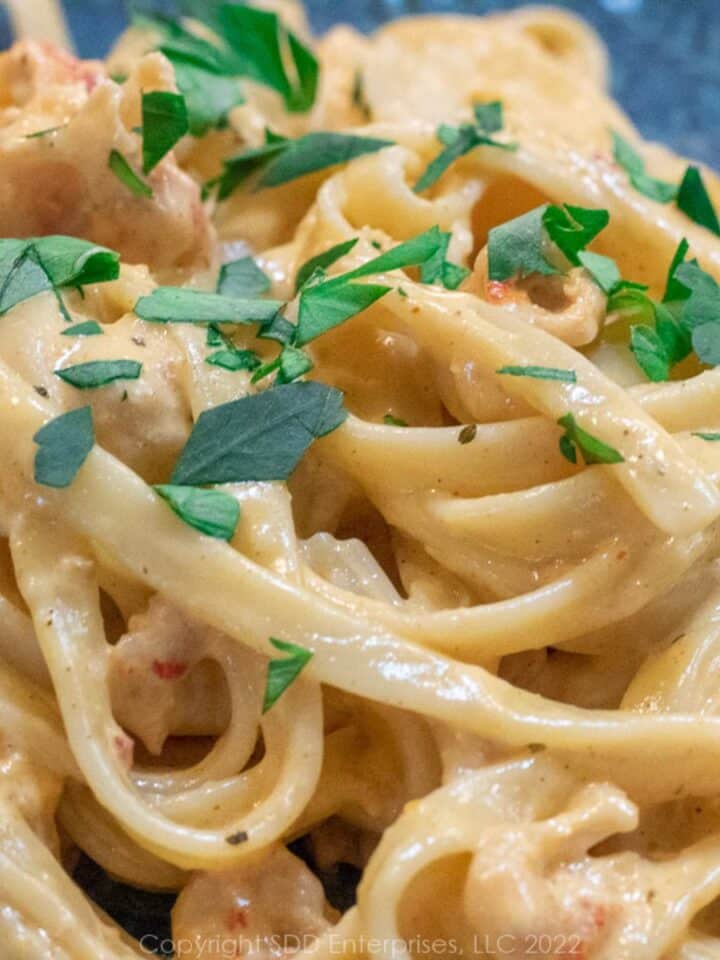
(280, 159)
(164, 123)
(259, 437)
(127, 176)
(467, 433)
(281, 673)
(694, 200)
(242, 278)
(248, 42)
(592, 449)
(88, 328)
(258, 42)
(212, 512)
(633, 164)
(98, 373)
(709, 437)
(438, 269)
(64, 444)
(178, 305)
(234, 360)
(38, 265)
(691, 196)
(390, 421)
(327, 304)
(323, 260)
(460, 140)
(540, 373)
(521, 246)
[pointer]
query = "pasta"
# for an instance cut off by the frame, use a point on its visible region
(359, 505)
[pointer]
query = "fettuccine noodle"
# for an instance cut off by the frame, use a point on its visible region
(505, 722)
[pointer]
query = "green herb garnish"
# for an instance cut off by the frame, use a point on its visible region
(259, 437)
(323, 260)
(281, 673)
(633, 164)
(592, 449)
(242, 278)
(98, 373)
(281, 160)
(521, 246)
(390, 421)
(165, 122)
(694, 200)
(87, 329)
(64, 444)
(460, 140)
(540, 373)
(178, 305)
(234, 360)
(29, 267)
(438, 269)
(256, 39)
(212, 512)
(127, 176)
(709, 437)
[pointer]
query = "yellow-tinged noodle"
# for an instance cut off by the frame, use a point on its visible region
(510, 720)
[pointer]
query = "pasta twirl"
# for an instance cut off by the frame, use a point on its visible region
(359, 500)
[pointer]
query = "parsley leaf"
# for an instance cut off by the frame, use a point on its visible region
(437, 269)
(573, 228)
(87, 329)
(390, 421)
(64, 444)
(203, 74)
(98, 373)
(674, 290)
(70, 262)
(281, 160)
(290, 364)
(234, 360)
(209, 96)
(592, 449)
(126, 175)
(633, 164)
(29, 267)
(257, 38)
(259, 437)
(520, 246)
(701, 311)
(709, 437)
(327, 305)
(517, 247)
(540, 373)
(281, 673)
(322, 260)
(212, 512)
(603, 270)
(460, 140)
(164, 123)
(242, 278)
(178, 305)
(694, 200)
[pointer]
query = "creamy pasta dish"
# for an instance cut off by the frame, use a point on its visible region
(359, 504)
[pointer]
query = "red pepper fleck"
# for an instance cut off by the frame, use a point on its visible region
(237, 918)
(125, 747)
(169, 669)
(498, 289)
